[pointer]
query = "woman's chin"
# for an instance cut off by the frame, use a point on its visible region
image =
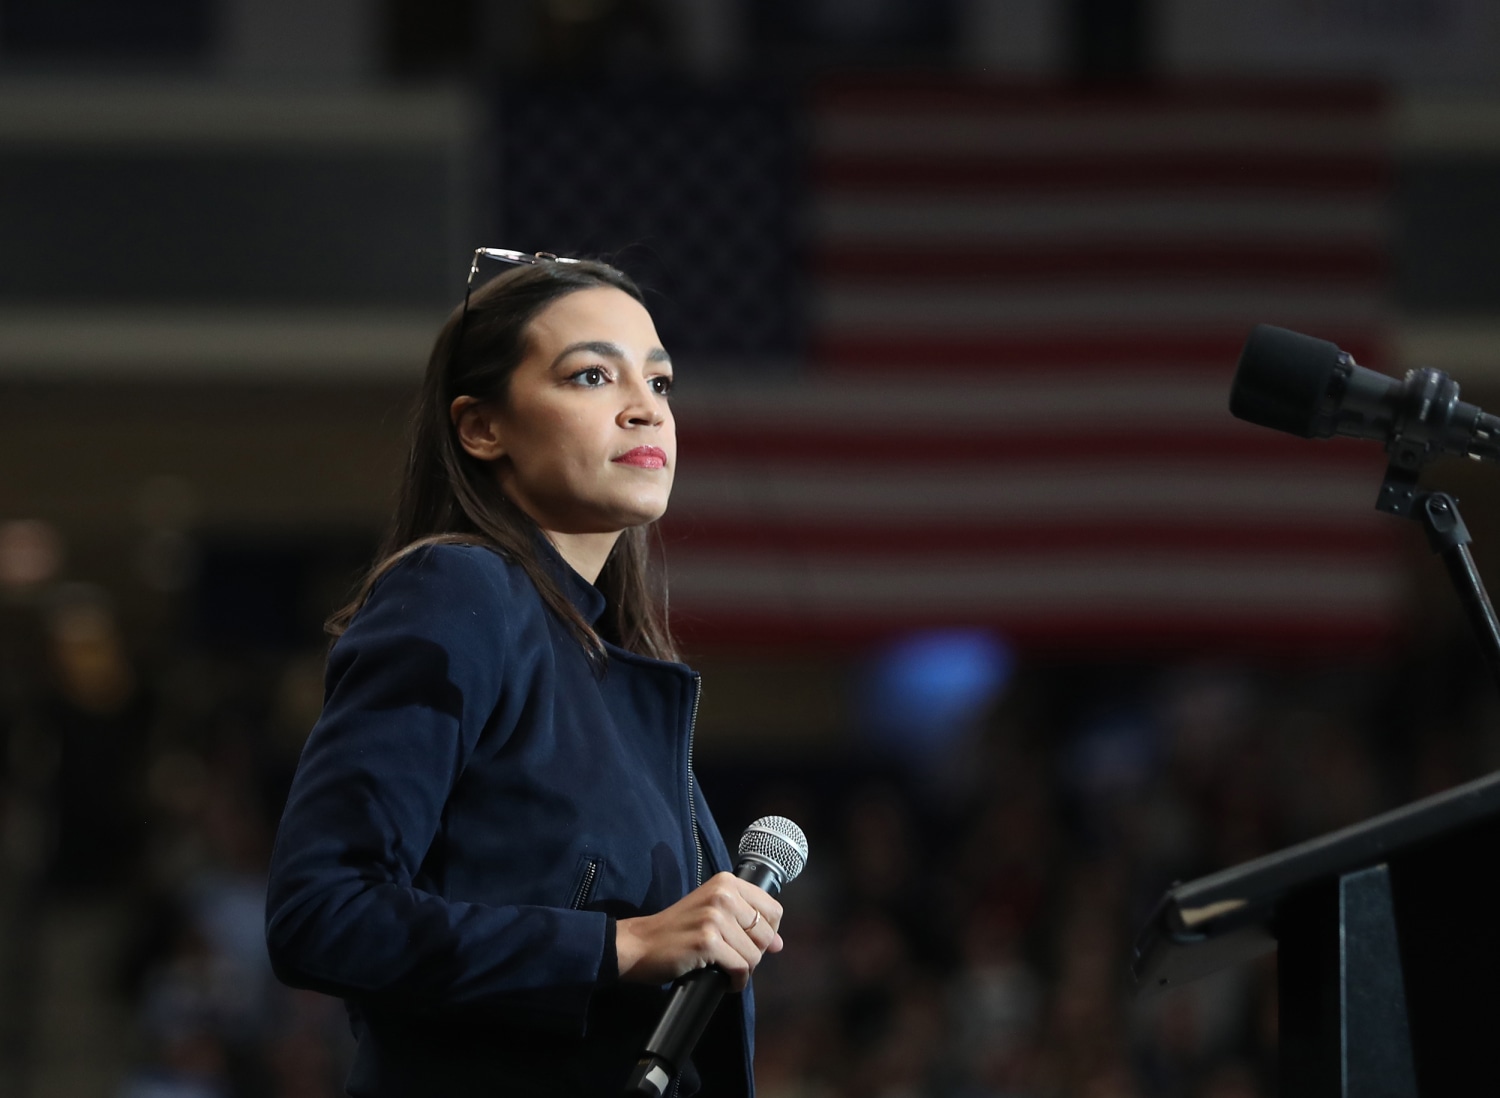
(640, 510)
(614, 520)
(643, 516)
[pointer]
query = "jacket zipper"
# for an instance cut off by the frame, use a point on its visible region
(586, 885)
(693, 811)
(692, 799)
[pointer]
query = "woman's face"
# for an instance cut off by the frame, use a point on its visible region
(586, 442)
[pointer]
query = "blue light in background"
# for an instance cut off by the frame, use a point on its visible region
(925, 689)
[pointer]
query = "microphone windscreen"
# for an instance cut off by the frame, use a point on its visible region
(1282, 380)
(777, 842)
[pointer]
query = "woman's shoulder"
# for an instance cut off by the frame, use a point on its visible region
(460, 580)
(457, 560)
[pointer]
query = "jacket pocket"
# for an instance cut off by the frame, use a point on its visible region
(589, 867)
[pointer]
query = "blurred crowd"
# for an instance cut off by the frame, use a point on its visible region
(141, 801)
(968, 930)
(963, 929)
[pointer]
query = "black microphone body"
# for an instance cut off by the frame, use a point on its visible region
(697, 994)
(1308, 387)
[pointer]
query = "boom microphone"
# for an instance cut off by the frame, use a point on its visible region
(1308, 387)
(772, 852)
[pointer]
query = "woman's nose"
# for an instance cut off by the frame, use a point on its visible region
(645, 407)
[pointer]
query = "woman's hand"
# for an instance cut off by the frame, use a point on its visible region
(725, 921)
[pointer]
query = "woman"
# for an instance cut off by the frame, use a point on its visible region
(494, 848)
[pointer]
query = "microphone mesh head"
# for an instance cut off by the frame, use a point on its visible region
(778, 842)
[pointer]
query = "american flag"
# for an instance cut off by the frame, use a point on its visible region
(1025, 311)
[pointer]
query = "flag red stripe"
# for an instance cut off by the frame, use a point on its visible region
(684, 534)
(964, 453)
(908, 265)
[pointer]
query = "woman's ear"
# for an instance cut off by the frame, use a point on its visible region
(478, 425)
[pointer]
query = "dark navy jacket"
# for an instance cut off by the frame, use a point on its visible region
(473, 808)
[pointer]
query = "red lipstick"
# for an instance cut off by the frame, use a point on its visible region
(644, 457)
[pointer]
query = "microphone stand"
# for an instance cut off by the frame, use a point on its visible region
(1448, 536)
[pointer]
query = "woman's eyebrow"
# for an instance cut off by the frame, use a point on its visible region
(598, 346)
(609, 350)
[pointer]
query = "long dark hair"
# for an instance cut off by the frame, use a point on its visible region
(450, 497)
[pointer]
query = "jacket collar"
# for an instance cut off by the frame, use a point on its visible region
(587, 599)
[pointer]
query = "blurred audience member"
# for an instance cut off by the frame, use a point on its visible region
(96, 715)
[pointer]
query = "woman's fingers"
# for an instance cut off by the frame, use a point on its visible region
(726, 921)
(762, 902)
(754, 930)
(760, 930)
(760, 914)
(734, 917)
(757, 914)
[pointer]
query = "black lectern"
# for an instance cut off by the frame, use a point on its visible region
(1389, 948)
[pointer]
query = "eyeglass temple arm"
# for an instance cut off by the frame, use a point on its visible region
(505, 255)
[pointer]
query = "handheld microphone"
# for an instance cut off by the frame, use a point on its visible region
(772, 852)
(1308, 387)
